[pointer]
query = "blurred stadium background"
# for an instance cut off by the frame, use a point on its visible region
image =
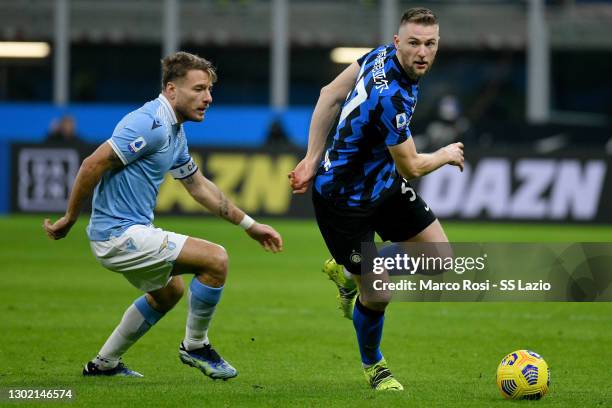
(525, 84)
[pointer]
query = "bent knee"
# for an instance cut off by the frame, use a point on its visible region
(220, 261)
(176, 288)
(216, 266)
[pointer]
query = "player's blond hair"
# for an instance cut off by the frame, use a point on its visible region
(419, 15)
(176, 66)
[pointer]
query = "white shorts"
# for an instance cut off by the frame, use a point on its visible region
(144, 254)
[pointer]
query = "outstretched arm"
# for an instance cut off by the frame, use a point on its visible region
(326, 110)
(212, 198)
(91, 171)
(411, 164)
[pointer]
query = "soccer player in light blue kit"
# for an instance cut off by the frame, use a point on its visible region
(126, 172)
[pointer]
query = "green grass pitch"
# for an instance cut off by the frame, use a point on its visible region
(277, 324)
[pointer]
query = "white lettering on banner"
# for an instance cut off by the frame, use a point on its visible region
(444, 189)
(577, 191)
(534, 176)
(532, 189)
(489, 190)
(45, 177)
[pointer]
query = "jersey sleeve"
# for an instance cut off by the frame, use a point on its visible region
(135, 137)
(361, 59)
(184, 166)
(395, 118)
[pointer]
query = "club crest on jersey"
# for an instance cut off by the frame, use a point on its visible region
(401, 120)
(137, 144)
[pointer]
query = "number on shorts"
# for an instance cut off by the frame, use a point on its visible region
(406, 188)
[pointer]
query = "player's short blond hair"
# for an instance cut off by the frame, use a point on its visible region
(176, 66)
(419, 15)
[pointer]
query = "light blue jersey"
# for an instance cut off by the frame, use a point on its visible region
(149, 142)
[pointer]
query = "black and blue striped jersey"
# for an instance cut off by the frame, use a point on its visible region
(358, 168)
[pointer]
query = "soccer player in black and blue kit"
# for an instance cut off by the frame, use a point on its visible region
(360, 186)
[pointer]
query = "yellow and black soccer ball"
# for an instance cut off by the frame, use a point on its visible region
(523, 374)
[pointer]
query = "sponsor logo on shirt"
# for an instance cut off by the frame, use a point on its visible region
(137, 144)
(378, 71)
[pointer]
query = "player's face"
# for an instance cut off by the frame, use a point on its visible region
(416, 46)
(192, 96)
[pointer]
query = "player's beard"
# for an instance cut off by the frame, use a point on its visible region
(414, 74)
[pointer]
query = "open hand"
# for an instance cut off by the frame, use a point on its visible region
(267, 236)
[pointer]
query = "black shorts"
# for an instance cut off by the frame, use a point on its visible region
(400, 215)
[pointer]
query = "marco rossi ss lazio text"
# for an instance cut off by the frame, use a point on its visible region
(459, 265)
(503, 285)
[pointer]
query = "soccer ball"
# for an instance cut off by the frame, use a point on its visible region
(523, 374)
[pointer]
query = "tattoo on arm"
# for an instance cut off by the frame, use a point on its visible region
(189, 180)
(223, 206)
